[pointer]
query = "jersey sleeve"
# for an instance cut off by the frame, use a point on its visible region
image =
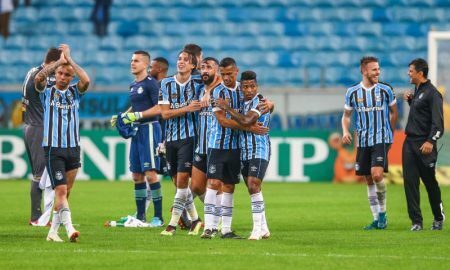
(153, 91)
(163, 98)
(254, 105)
(348, 102)
(216, 94)
(391, 97)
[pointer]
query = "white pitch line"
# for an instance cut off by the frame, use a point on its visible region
(330, 255)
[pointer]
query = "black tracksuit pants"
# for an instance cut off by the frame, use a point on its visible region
(415, 166)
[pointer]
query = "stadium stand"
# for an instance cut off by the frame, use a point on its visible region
(298, 43)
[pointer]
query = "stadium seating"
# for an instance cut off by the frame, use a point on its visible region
(304, 42)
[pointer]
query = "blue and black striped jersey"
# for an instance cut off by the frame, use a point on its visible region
(179, 95)
(205, 117)
(372, 108)
(253, 145)
(61, 116)
(221, 137)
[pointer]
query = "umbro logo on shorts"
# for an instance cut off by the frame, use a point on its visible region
(380, 158)
(212, 169)
(187, 164)
(58, 175)
(253, 168)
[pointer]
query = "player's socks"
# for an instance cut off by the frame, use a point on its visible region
(157, 199)
(149, 197)
(65, 217)
(227, 212)
(140, 195)
(190, 206)
(373, 201)
(56, 222)
(178, 205)
(218, 212)
(381, 195)
(257, 210)
(210, 208)
(264, 226)
(36, 198)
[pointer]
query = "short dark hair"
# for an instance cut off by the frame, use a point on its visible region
(248, 75)
(194, 48)
(53, 54)
(366, 60)
(206, 59)
(227, 61)
(191, 56)
(163, 61)
(144, 53)
(420, 65)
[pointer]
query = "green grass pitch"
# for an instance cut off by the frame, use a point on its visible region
(313, 226)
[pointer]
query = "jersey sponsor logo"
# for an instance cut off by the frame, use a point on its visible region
(179, 105)
(59, 105)
(58, 175)
(212, 169)
(369, 109)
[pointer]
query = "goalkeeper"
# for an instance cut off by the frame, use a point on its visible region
(144, 161)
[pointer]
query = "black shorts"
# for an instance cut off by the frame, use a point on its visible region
(59, 161)
(179, 155)
(255, 167)
(200, 162)
(224, 165)
(33, 143)
(372, 156)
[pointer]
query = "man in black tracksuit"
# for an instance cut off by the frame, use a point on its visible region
(425, 126)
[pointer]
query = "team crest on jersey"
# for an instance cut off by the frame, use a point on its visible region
(57, 95)
(140, 90)
(58, 175)
(212, 169)
(421, 95)
(69, 96)
(198, 158)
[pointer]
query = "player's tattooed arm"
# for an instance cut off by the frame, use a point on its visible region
(40, 80)
(245, 120)
(83, 83)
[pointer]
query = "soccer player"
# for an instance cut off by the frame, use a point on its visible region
(255, 149)
(223, 150)
(159, 68)
(211, 79)
(376, 108)
(179, 104)
(197, 51)
(33, 117)
(144, 161)
(61, 140)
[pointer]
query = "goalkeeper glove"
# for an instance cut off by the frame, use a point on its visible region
(131, 117)
(113, 120)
